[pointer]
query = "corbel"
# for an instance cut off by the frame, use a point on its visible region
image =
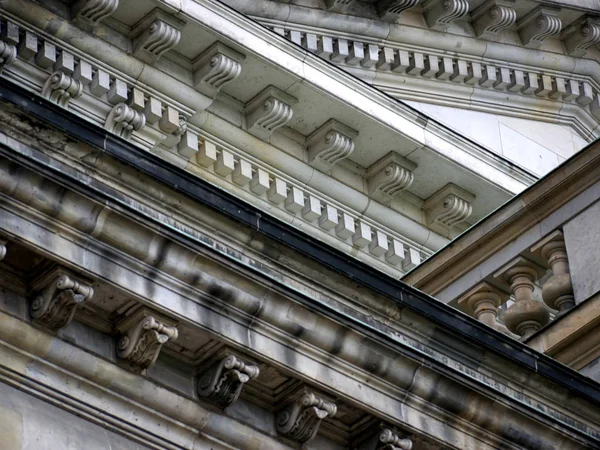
(494, 16)
(8, 51)
(93, 11)
(155, 34)
(215, 67)
(383, 437)
(223, 381)
(581, 35)
(388, 176)
(537, 26)
(57, 294)
(123, 120)
(391, 9)
(143, 333)
(439, 14)
(61, 89)
(448, 207)
(329, 144)
(269, 110)
(300, 418)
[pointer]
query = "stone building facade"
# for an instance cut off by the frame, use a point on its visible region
(318, 224)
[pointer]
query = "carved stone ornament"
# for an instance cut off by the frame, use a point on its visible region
(94, 11)
(389, 440)
(448, 207)
(391, 9)
(154, 35)
(390, 175)
(482, 302)
(337, 3)
(581, 35)
(8, 54)
(494, 16)
(222, 383)
(269, 110)
(215, 67)
(58, 296)
(329, 144)
(300, 419)
(61, 89)
(539, 25)
(123, 120)
(3, 243)
(439, 14)
(143, 337)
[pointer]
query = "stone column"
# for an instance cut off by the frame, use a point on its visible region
(526, 315)
(557, 290)
(482, 302)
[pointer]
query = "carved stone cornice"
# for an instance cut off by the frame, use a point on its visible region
(299, 420)
(94, 11)
(143, 335)
(154, 35)
(581, 35)
(215, 67)
(391, 9)
(439, 14)
(389, 176)
(330, 143)
(269, 110)
(494, 16)
(222, 383)
(123, 120)
(61, 89)
(448, 207)
(8, 54)
(57, 295)
(537, 26)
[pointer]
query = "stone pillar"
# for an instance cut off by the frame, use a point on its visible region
(526, 315)
(557, 290)
(482, 302)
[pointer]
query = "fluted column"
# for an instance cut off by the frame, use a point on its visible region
(557, 290)
(526, 315)
(482, 302)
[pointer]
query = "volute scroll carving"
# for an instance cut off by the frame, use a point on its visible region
(539, 25)
(441, 13)
(61, 89)
(55, 304)
(300, 419)
(391, 9)
(448, 207)
(142, 339)
(155, 34)
(94, 11)
(389, 176)
(123, 120)
(330, 143)
(215, 67)
(222, 383)
(269, 110)
(494, 16)
(581, 35)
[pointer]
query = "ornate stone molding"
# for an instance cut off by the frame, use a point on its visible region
(299, 420)
(494, 16)
(388, 176)
(526, 315)
(439, 14)
(330, 4)
(124, 120)
(215, 67)
(581, 35)
(61, 89)
(8, 54)
(94, 11)
(537, 26)
(222, 383)
(143, 335)
(391, 9)
(269, 110)
(482, 302)
(448, 207)
(557, 290)
(329, 144)
(58, 294)
(154, 35)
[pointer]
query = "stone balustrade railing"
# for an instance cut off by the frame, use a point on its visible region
(515, 287)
